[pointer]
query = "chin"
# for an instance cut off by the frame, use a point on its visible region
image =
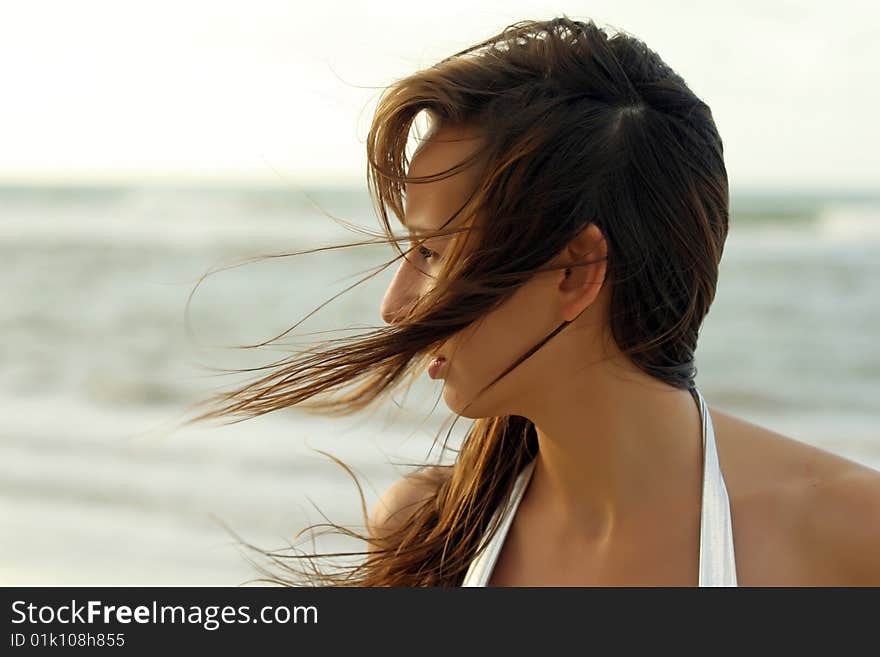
(457, 404)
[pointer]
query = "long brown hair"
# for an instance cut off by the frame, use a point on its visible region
(577, 127)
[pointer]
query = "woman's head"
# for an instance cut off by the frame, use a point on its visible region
(574, 190)
(479, 353)
(550, 146)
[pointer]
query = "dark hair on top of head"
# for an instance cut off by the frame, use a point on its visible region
(577, 127)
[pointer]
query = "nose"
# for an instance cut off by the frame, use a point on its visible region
(402, 293)
(392, 313)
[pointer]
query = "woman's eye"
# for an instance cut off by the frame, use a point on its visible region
(426, 253)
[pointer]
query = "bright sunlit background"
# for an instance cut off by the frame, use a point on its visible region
(143, 143)
(174, 90)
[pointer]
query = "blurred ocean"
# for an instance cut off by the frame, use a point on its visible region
(96, 363)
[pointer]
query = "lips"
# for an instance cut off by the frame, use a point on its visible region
(435, 366)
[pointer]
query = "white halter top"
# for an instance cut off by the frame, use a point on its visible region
(717, 560)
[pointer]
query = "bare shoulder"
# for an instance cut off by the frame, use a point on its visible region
(842, 525)
(397, 503)
(758, 461)
(828, 505)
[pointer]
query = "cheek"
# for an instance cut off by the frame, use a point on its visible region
(489, 346)
(480, 353)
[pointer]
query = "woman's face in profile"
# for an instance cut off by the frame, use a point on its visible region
(475, 356)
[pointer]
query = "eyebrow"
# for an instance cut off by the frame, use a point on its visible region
(416, 229)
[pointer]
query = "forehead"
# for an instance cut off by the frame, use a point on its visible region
(429, 205)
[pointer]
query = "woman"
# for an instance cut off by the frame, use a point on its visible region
(568, 212)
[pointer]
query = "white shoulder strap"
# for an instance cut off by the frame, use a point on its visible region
(717, 558)
(480, 570)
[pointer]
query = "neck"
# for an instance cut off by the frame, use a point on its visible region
(614, 452)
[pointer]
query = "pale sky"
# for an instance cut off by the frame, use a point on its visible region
(267, 91)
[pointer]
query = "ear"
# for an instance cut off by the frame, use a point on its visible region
(580, 284)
